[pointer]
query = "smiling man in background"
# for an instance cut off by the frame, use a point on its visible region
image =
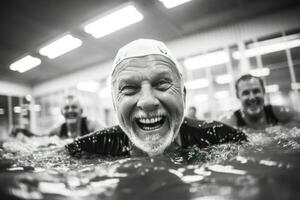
(250, 90)
(149, 100)
(75, 124)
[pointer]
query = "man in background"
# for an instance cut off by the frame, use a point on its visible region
(75, 124)
(250, 90)
(192, 111)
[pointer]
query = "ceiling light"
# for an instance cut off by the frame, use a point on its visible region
(24, 64)
(173, 3)
(266, 49)
(60, 46)
(114, 21)
(206, 60)
(200, 98)
(260, 72)
(88, 86)
(223, 79)
(272, 88)
(105, 93)
(17, 109)
(295, 86)
(222, 95)
(195, 84)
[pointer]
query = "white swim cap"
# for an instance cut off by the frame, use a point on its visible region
(144, 47)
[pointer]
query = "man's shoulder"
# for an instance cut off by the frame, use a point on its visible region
(56, 130)
(229, 118)
(284, 114)
(94, 125)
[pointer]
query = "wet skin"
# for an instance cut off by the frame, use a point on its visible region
(251, 95)
(149, 101)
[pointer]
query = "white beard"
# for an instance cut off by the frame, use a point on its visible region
(154, 145)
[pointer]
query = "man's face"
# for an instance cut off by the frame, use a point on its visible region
(251, 95)
(149, 101)
(71, 110)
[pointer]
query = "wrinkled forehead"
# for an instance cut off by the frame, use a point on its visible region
(152, 63)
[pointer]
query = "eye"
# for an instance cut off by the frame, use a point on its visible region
(256, 91)
(246, 92)
(129, 89)
(163, 84)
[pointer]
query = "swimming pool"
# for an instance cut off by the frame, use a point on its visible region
(267, 167)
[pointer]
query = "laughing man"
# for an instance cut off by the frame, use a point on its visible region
(149, 99)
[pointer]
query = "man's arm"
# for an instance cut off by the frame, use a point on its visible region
(55, 131)
(106, 142)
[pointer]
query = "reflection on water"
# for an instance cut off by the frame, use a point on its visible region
(267, 167)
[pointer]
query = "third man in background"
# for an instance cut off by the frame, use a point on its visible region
(250, 90)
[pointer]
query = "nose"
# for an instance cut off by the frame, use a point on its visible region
(252, 95)
(147, 100)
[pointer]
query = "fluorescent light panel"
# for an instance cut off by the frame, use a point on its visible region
(295, 86)
(206, 60)
(114, 21)
(196, 84)
(25, 64)
(88, 86)
(260, 72)
(266, 49)
(222, 95)
(60, 46)
(223, 79)
(173, 3)
(272, 88)
(200, 98)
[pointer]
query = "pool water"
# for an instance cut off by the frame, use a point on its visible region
(266, 167)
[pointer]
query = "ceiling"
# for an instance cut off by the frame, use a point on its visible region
(27, 25)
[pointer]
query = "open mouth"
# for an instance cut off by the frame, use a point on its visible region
(151, 123)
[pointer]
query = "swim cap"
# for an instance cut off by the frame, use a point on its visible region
(144, 47)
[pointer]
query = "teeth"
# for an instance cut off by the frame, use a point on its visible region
(150, 120)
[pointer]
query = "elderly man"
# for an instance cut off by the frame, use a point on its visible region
(75, 124)
(250, 90)
(149, 100)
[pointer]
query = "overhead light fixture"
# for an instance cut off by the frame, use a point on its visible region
(200, 98)
(221, 95)
(256, 49)
(196, 84)
(17, 109)
(223, 79)
(105, 93)
(206, 60)
(25, 64)
(272, 88)
(114, 21)
(60, 46)
(88, 86)
(295, 86)
(173, 3)
(260, 72)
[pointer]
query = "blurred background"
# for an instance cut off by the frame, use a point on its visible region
(53, 48)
